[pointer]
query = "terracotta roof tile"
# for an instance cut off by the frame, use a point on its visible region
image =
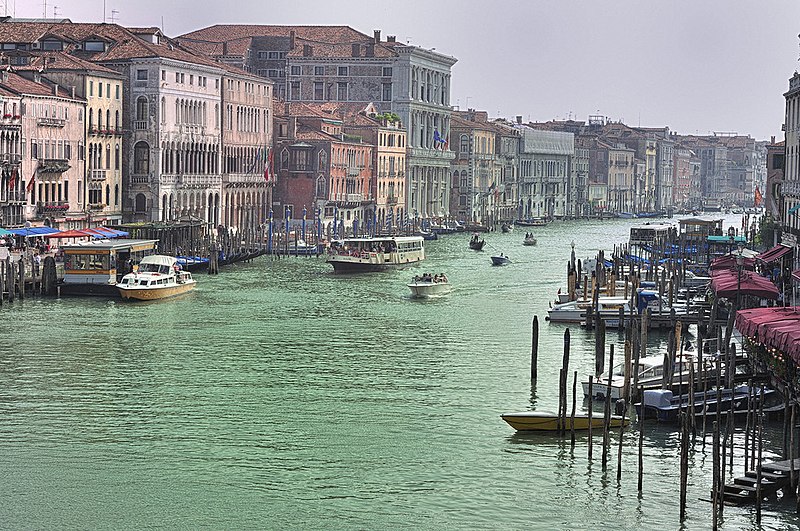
(64, 61)
(20, 85)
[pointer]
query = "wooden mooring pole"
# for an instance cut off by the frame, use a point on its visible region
(534, 347)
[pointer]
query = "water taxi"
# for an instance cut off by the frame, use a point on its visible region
(548, 421)
(500, 260)
(360, 255)
(428, 285)
(156, 277)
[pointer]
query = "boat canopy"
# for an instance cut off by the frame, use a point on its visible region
(728, 283)
(777, 327)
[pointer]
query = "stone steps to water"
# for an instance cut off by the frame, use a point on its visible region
(774, 476)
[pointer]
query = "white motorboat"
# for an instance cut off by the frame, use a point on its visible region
(156, 277)
(608, 308)
(428, 285)
(651, 375)
(358, 255)
(529, 239)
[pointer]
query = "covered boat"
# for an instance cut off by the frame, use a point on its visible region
(360, 255)
(157, 277)
(428, 285)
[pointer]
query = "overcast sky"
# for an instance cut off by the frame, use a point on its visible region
(695, 66)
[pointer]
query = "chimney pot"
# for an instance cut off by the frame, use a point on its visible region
(391, 38)
(519, 119)
(308, 50)
(292, 36)
(377, 34)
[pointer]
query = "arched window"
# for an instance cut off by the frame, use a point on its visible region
(116, 157)
(285, 159)
(323, 160)
(91, 118)
(141, 158)
(108, 195)
(464, 147)
(108, 118)
(321, 187)
(141, 108)
(140, 203)
(116, 195)
(116, 121)
(108, 156)
(163, 110)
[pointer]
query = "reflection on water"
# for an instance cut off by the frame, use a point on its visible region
(278, 385)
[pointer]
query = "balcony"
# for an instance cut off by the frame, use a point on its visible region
(141, 178)
(51, 208)
(13, 121)
(391, 199)
(96, 206)
(97, 175)
(791, 188)
(51, 122)
(11, 158)
(53, 165)
(199, 180)
(191, 129)
(140, 125)
(353, 171)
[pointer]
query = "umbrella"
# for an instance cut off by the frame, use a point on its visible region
(69, 234)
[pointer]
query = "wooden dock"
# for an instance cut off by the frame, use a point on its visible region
(774, 476)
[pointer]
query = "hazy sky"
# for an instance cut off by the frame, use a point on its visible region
(696, 66)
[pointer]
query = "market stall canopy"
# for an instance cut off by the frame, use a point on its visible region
(777, 327)
(34, 231)
(68, 234)
(728, 261)
(774, 254)
(729, 284)
(4, 232)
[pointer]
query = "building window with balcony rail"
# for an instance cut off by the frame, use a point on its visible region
(141, 108)
(141, 158)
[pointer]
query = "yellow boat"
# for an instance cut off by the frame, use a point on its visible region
(548, 421)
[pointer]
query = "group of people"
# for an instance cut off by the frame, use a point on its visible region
(428, 277)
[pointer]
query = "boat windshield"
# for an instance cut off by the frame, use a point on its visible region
(154, 268)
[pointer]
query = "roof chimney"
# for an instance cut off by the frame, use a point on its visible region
(391, 38)
(377, 34)
(519, 119)
(308, 50)
(72, 91)
(292, 35)
(55, 89)
(224, 47)
(772, 140)
(356, 49)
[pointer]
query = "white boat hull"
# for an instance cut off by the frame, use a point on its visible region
(147, 293)
(428, 289)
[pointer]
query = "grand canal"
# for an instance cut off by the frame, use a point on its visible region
(278, 395)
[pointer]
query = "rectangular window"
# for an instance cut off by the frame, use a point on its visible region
(262, 55)
(99, 89)
(296, 70)
(387, 92)
(182, 78)
(342, 71)
(273, 73)
(177, 77)
(319, 90)
(94, 46)
(319, 70)
(141, 75)
(116, 91)
(294, 90)
(108, 90)
(91, 88)
(387, 71)
(191, 79)
(341, 91)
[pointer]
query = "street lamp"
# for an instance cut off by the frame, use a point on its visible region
(739, 264)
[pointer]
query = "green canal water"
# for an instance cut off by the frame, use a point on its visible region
(278, 395)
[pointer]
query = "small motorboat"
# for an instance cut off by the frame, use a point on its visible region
(548, 421)
(664, 406)
(529, 239)
(500, 260)
(428, 285)
(506, 227)
(156, 277)
(475, 243)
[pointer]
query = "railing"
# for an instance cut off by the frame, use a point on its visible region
(791, 188)
(11, 158)
(353, 171)
(97, 206)
(140, 179)
(199, 180)
(15, 197)
(245, 178)
(391, 199)
(191, 128)
(140, 125)
(51, 122)
(51, 207)
(11, 120)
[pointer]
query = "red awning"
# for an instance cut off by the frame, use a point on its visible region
(774, 254)
(728, 261)
(775, 327)
(748, 283)
(68, 234)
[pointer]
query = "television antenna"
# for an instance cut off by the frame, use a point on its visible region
(114, 14)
